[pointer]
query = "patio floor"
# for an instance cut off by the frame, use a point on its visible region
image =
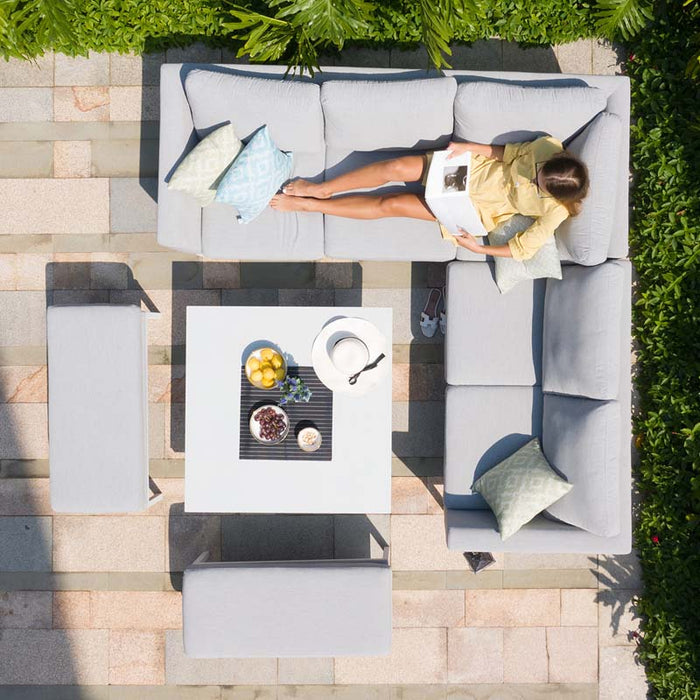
(93, 601)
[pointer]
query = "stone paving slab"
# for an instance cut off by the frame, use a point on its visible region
(182, 670)
(621, 675)
(136, 657)
(25, 610)
(92, 69)
(305, 671)
(54, 656)
(132, 205)
(57, 206)
(23, 431)
(26, 104)
(25, 159)
(16, 72)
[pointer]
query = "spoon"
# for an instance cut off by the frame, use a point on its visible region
(371, 365)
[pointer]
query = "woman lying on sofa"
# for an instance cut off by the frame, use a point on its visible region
(538, 179)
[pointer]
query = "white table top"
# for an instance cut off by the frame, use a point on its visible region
(356, 480)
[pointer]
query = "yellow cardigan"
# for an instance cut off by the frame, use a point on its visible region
(500, 189)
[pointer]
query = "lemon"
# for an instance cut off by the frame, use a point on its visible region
(265, 365)
(279, 374)
(253, 364)
(256, 376)
(276, 361)
(268, 373)
(268, 383)
(266, 353)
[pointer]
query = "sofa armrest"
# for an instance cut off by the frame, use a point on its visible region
(179, 215)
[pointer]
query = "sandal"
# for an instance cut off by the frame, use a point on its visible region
(429, 315)
(443, 312)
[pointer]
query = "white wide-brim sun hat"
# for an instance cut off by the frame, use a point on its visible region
(339, 329)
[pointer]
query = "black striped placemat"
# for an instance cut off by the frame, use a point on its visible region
(317, 412)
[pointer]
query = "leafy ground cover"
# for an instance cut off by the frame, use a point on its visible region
(665, 249)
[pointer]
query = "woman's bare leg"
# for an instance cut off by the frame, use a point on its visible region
(406, 204)
(405, 169)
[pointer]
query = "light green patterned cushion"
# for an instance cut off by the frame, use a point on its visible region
(203, 167)
(544, 263)
(520, 487)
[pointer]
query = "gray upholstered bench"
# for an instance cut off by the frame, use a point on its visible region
(286, 608)
(98, 409)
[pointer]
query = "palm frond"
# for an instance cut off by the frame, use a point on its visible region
(33, 22)
(438, 17)
(622, 17)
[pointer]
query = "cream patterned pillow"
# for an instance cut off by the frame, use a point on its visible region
(202, 168)
(544, 263)
(520, 487)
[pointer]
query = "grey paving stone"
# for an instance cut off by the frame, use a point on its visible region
(182, 670)
(21, 73)
(338, 275)
(81, 243)
(194, 53)
(424, 354)
(277, 275)
(361, 536)
(249, 297)
(68, 275)
(468, 580)
(419, 580)
(305, 671)
(23, 318)
(48, 581)
(125, 158)
(552, 578)
(79, 296)
(418, 428)
(165, 692)
(134, 242)
(387, 275)
(23, 431)
(410, 58)
(26, 610)
(306, 297)
(608, 58)
(189, 535)
(54, 656)
(360, 57)
(78, 131)
(575, 57)
(165, 468)
(486, 54)
(334, 692)
(26, 546)
(524, 691)
(622, 675)
(130, 69)
(108, 275)
(55, 692)
(166, 271)
(417, 466)
(132, 205)
(221, 275)
(82, 70)
(24, 469)
(534, 60)
(26, 159)
(26, 104)
(250, 692)
(276, 537)
(26, 243)
(22, 356)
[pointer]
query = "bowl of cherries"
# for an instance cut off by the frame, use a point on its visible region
(269, 424)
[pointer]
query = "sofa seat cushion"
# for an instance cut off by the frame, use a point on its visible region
(483, 426)
(291, 109)
(367, 115)
(280, 609)
(585, 239)
(583, 331)
(497, 112)
(492, 338)
(381, 239)
(581, 439)
(98, 409)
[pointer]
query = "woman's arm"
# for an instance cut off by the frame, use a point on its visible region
(482, 149)
(466, 240)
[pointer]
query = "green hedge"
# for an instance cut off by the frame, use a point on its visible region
(77, 26)
(665, 243)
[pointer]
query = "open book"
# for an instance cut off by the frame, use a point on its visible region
(447, 195)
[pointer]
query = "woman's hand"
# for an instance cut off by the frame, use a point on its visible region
(466, 240)
(457, 148)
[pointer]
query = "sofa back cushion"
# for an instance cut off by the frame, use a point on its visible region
(290, 109)
(369, 115)
(581, 439)
(585, 238)
(582, 331)
(494, 112)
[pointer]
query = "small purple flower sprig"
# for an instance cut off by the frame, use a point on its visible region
(293, 390)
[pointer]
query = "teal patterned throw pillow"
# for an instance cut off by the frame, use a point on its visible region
(544, 263)
(255, 177)
(520, 487)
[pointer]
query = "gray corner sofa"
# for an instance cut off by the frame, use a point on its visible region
(550, 358)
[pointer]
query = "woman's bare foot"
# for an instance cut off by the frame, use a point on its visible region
(304, 188)
(284, 202)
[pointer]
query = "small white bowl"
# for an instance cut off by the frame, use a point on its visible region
(255, 425)
(349, 355)
(311, 446)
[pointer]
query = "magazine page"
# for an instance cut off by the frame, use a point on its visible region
(447, 193)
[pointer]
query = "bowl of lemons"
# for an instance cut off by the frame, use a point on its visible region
(265, 367)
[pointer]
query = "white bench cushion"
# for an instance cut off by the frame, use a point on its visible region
(269, 609)
(98, 435)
